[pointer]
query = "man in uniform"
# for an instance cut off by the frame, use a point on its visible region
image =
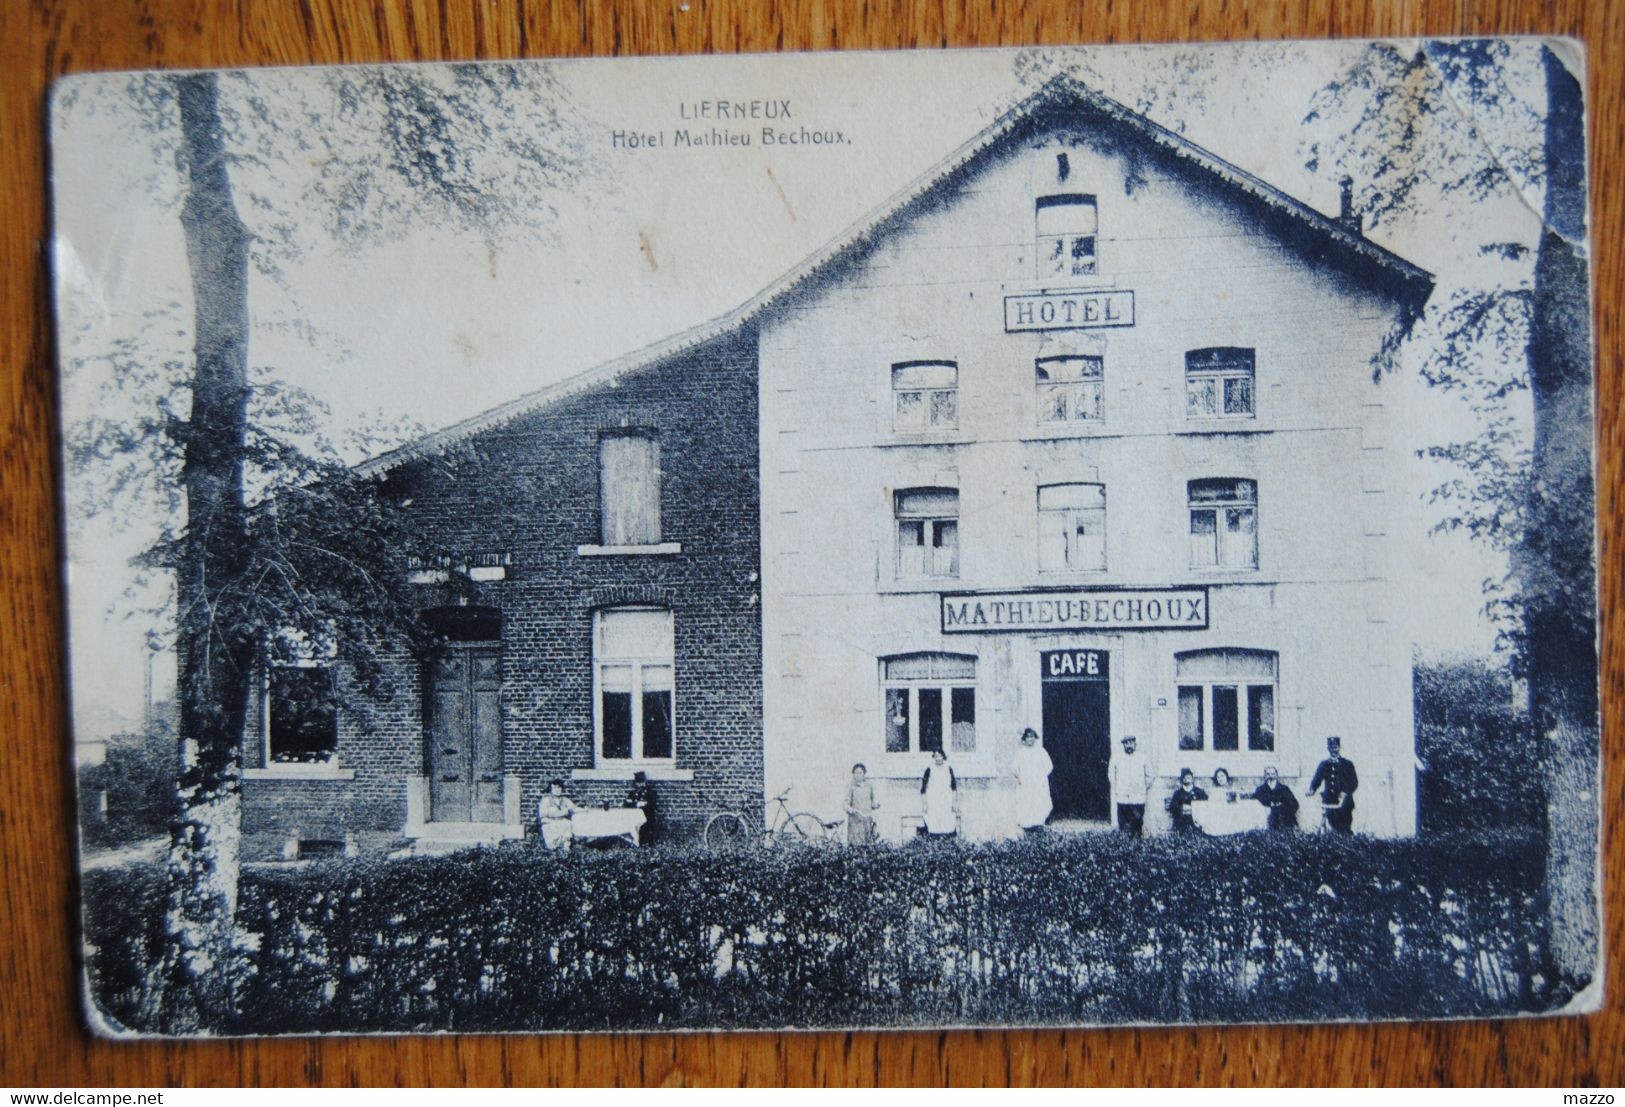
(1131, 780)
(1339, 779)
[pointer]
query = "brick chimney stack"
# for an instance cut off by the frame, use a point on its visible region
(1346, 214)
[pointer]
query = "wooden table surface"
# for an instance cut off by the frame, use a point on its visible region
(42, 1042)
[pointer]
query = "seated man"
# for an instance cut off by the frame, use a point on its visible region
(1179, 804)
(1282, 804)
(641, 795)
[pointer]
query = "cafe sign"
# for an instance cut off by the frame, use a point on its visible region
(1057, 311)
(1074, 609)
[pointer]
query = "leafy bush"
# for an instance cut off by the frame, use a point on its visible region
(138, 779)
(1094, 929)
(1483, 771)
(122, 912)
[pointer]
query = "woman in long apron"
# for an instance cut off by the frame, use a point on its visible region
(1033, 767)
(940, 790)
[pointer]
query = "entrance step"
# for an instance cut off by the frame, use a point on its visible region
(438, 838)
(1080, 826)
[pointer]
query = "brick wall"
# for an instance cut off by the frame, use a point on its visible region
(529, 487)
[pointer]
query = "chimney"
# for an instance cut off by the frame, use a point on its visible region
(1346, 214)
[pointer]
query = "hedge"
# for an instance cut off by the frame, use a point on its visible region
(1482, 759)
(1095, 929)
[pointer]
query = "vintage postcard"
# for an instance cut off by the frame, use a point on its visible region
(1031, 537)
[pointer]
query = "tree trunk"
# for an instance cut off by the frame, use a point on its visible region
(216, 650)
(1557, 562)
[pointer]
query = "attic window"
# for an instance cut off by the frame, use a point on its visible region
(1066, 224)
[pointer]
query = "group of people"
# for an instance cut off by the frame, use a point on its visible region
(1335, 780)
(1131, 778)
(555, 814)
(939, 798)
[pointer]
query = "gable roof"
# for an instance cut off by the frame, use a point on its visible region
(1060, 97)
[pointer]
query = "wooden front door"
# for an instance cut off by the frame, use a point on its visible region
(465, 735)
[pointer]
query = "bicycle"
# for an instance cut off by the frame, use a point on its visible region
(730, 830)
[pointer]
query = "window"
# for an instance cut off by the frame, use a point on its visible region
(1071, 527)
(925, 395)
(1070, 389)
(930, 700)
(1066, 235)
(1219, 383)
(301, 713)
(927, 533)
(1226, 697)
(629, 489)
(1224, 524)
(632, 658)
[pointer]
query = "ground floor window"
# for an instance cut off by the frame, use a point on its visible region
(301, 724)
(930, 702)
(633, 651)
(1226, 699)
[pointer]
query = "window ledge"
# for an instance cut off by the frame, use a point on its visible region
(1045, 432)
(1061, 286)
(296, 771)
(652, 771)
(630, 551)
(1240, 424)
(938, 438)
(921, 585)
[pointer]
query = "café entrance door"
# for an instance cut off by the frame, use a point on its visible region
(1077, 732)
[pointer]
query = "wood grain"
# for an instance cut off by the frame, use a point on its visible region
(41, 1037)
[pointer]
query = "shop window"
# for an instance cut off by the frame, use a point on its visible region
(629, 489)
(1070, 390)
(1226, 699)
(925, 395)
(930, 703)
(1071, 528)
(633, 669)
(301, 713)
(1219, 383)
(1067, 225)
(927, 533)
(1224, 523)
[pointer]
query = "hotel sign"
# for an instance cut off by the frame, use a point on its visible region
(1057, 311)
(1074, 609)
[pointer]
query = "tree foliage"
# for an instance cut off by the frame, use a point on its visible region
(266, 530)
(1420, 130)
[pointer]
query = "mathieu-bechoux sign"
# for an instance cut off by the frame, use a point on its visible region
(1080, 609)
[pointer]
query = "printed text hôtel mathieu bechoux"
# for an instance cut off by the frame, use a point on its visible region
(711, 124)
